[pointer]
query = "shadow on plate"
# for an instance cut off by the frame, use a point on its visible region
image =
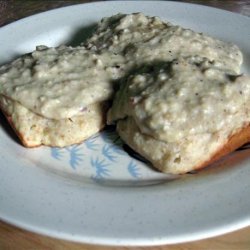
(81, 35)
(4, 124)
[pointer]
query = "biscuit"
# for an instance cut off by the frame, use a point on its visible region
(35, 130)
(142, 39)
(184, 114)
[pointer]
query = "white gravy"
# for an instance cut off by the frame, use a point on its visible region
(60, 82)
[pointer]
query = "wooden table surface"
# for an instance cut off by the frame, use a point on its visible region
(12, 238)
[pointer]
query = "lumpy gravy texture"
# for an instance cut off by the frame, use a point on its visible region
(58, 83)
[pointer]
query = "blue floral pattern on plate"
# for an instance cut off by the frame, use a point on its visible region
(102, 157)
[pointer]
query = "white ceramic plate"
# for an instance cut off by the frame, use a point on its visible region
(97, 193)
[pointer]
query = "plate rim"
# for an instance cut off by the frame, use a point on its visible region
(132, 242)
